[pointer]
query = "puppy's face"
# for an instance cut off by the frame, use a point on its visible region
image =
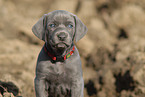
(60, 29)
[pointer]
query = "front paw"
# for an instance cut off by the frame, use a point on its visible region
(59, 91)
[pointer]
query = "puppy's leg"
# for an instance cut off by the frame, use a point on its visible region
(77, 89)
(40, 88)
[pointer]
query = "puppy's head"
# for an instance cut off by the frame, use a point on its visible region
(59, 28)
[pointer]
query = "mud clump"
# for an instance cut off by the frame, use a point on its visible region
(124, 82)
(91, 90)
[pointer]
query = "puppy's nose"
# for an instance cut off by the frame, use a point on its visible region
(62, 36)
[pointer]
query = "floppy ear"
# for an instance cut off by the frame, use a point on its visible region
(80, 29)
(39, 28)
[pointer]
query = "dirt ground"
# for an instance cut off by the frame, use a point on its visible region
(112, 52)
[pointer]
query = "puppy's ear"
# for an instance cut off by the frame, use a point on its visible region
(80, 29)
(39, 28)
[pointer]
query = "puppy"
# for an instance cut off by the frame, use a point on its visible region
(58, 70)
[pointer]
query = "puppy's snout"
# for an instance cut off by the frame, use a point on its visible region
(62, 36)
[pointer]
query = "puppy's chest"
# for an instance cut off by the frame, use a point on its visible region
(57, 69)
(59, 72)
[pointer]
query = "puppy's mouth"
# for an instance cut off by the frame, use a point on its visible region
(61, 45)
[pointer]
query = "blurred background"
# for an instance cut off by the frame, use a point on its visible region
(112, 52)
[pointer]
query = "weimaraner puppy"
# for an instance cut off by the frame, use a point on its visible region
(58, 70)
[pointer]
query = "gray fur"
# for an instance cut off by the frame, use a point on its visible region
(59, 78)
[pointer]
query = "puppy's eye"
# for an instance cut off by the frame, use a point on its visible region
(70, 26)
(52, 25)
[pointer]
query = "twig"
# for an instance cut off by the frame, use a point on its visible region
(4, 88)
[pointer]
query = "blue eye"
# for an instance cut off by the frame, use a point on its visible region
(70, 26)
(52, 25)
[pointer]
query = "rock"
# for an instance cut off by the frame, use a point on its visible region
(128, 16)
(69, 5)
(87, 10)
(139, 75)
(86, 46)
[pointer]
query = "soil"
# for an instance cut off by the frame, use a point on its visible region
(112, 52)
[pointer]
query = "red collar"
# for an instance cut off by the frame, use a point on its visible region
(55, 58)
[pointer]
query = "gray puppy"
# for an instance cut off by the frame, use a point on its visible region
(58, 70)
